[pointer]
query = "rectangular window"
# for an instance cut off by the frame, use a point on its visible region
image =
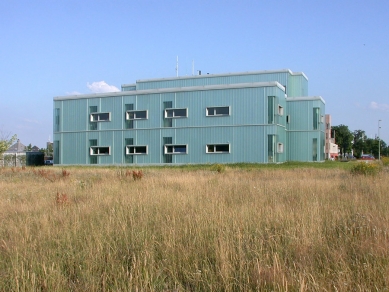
(316, 118)
(218, 148)
(280, 148)
(314, 149)
(176, 149)
(56, 124)
(288, 119)
(270, 148)
(137, 115)
(218, 111)
(270, 109)
(135, 150)
(56, 150)
(99, 150)
(171, 113)
(280, 110)
(100, 117)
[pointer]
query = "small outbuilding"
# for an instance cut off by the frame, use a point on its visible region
(34, 158)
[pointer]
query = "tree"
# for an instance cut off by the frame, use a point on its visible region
(384, 148)
(6, 142)
(343, 137)
(371, 146)
(359, 142)
(29, 147)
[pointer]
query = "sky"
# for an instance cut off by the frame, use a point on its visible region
(58, 48)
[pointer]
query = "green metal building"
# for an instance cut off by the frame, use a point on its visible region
(256, 117)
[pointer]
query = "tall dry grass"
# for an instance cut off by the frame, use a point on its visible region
(96, 229)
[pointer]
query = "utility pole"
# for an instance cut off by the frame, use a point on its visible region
(379, 141)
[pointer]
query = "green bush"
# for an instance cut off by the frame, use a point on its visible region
(385, 161)
(366, 168)
(218, 167)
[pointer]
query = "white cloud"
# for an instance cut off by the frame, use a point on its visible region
(379, 106)
(101, 87)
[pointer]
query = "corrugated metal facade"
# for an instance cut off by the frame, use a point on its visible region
(297, 82)
(262, 124)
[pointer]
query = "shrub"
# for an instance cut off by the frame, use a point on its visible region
(385, 161)
(366, 168)
(137, 175)
(218, 167)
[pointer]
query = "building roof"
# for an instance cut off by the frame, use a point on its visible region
(226, 74)
(18, 147)
(218, 75)
(35, 149)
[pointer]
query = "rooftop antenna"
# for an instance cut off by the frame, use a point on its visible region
(177, 67)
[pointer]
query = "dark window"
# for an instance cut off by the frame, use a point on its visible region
(316, 118)
(137, 115)
(133, 150)
(98, 150)
(270, 109)
(218, 111)
(100, 117)
(176, 113)
(175, 149)
(218, 148)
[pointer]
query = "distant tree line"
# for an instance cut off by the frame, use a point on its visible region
(357, 142)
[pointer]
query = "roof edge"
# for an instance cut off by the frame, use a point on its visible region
(173, 89)
(222, 75)
(305, 98)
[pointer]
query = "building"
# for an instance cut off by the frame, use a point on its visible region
(331, 149)
(15, 155)
(254, 117)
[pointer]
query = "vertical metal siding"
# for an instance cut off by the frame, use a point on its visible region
(301, 132)
(76, 115)
(297, 86)
(281, 77)
(245, 129)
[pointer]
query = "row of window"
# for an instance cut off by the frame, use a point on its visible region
(169, 113)
(169, 149)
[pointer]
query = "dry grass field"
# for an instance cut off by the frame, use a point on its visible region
(182, 229)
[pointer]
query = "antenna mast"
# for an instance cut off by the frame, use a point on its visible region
(177, 67)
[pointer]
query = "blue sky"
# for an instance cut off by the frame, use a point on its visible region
(56, 48)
